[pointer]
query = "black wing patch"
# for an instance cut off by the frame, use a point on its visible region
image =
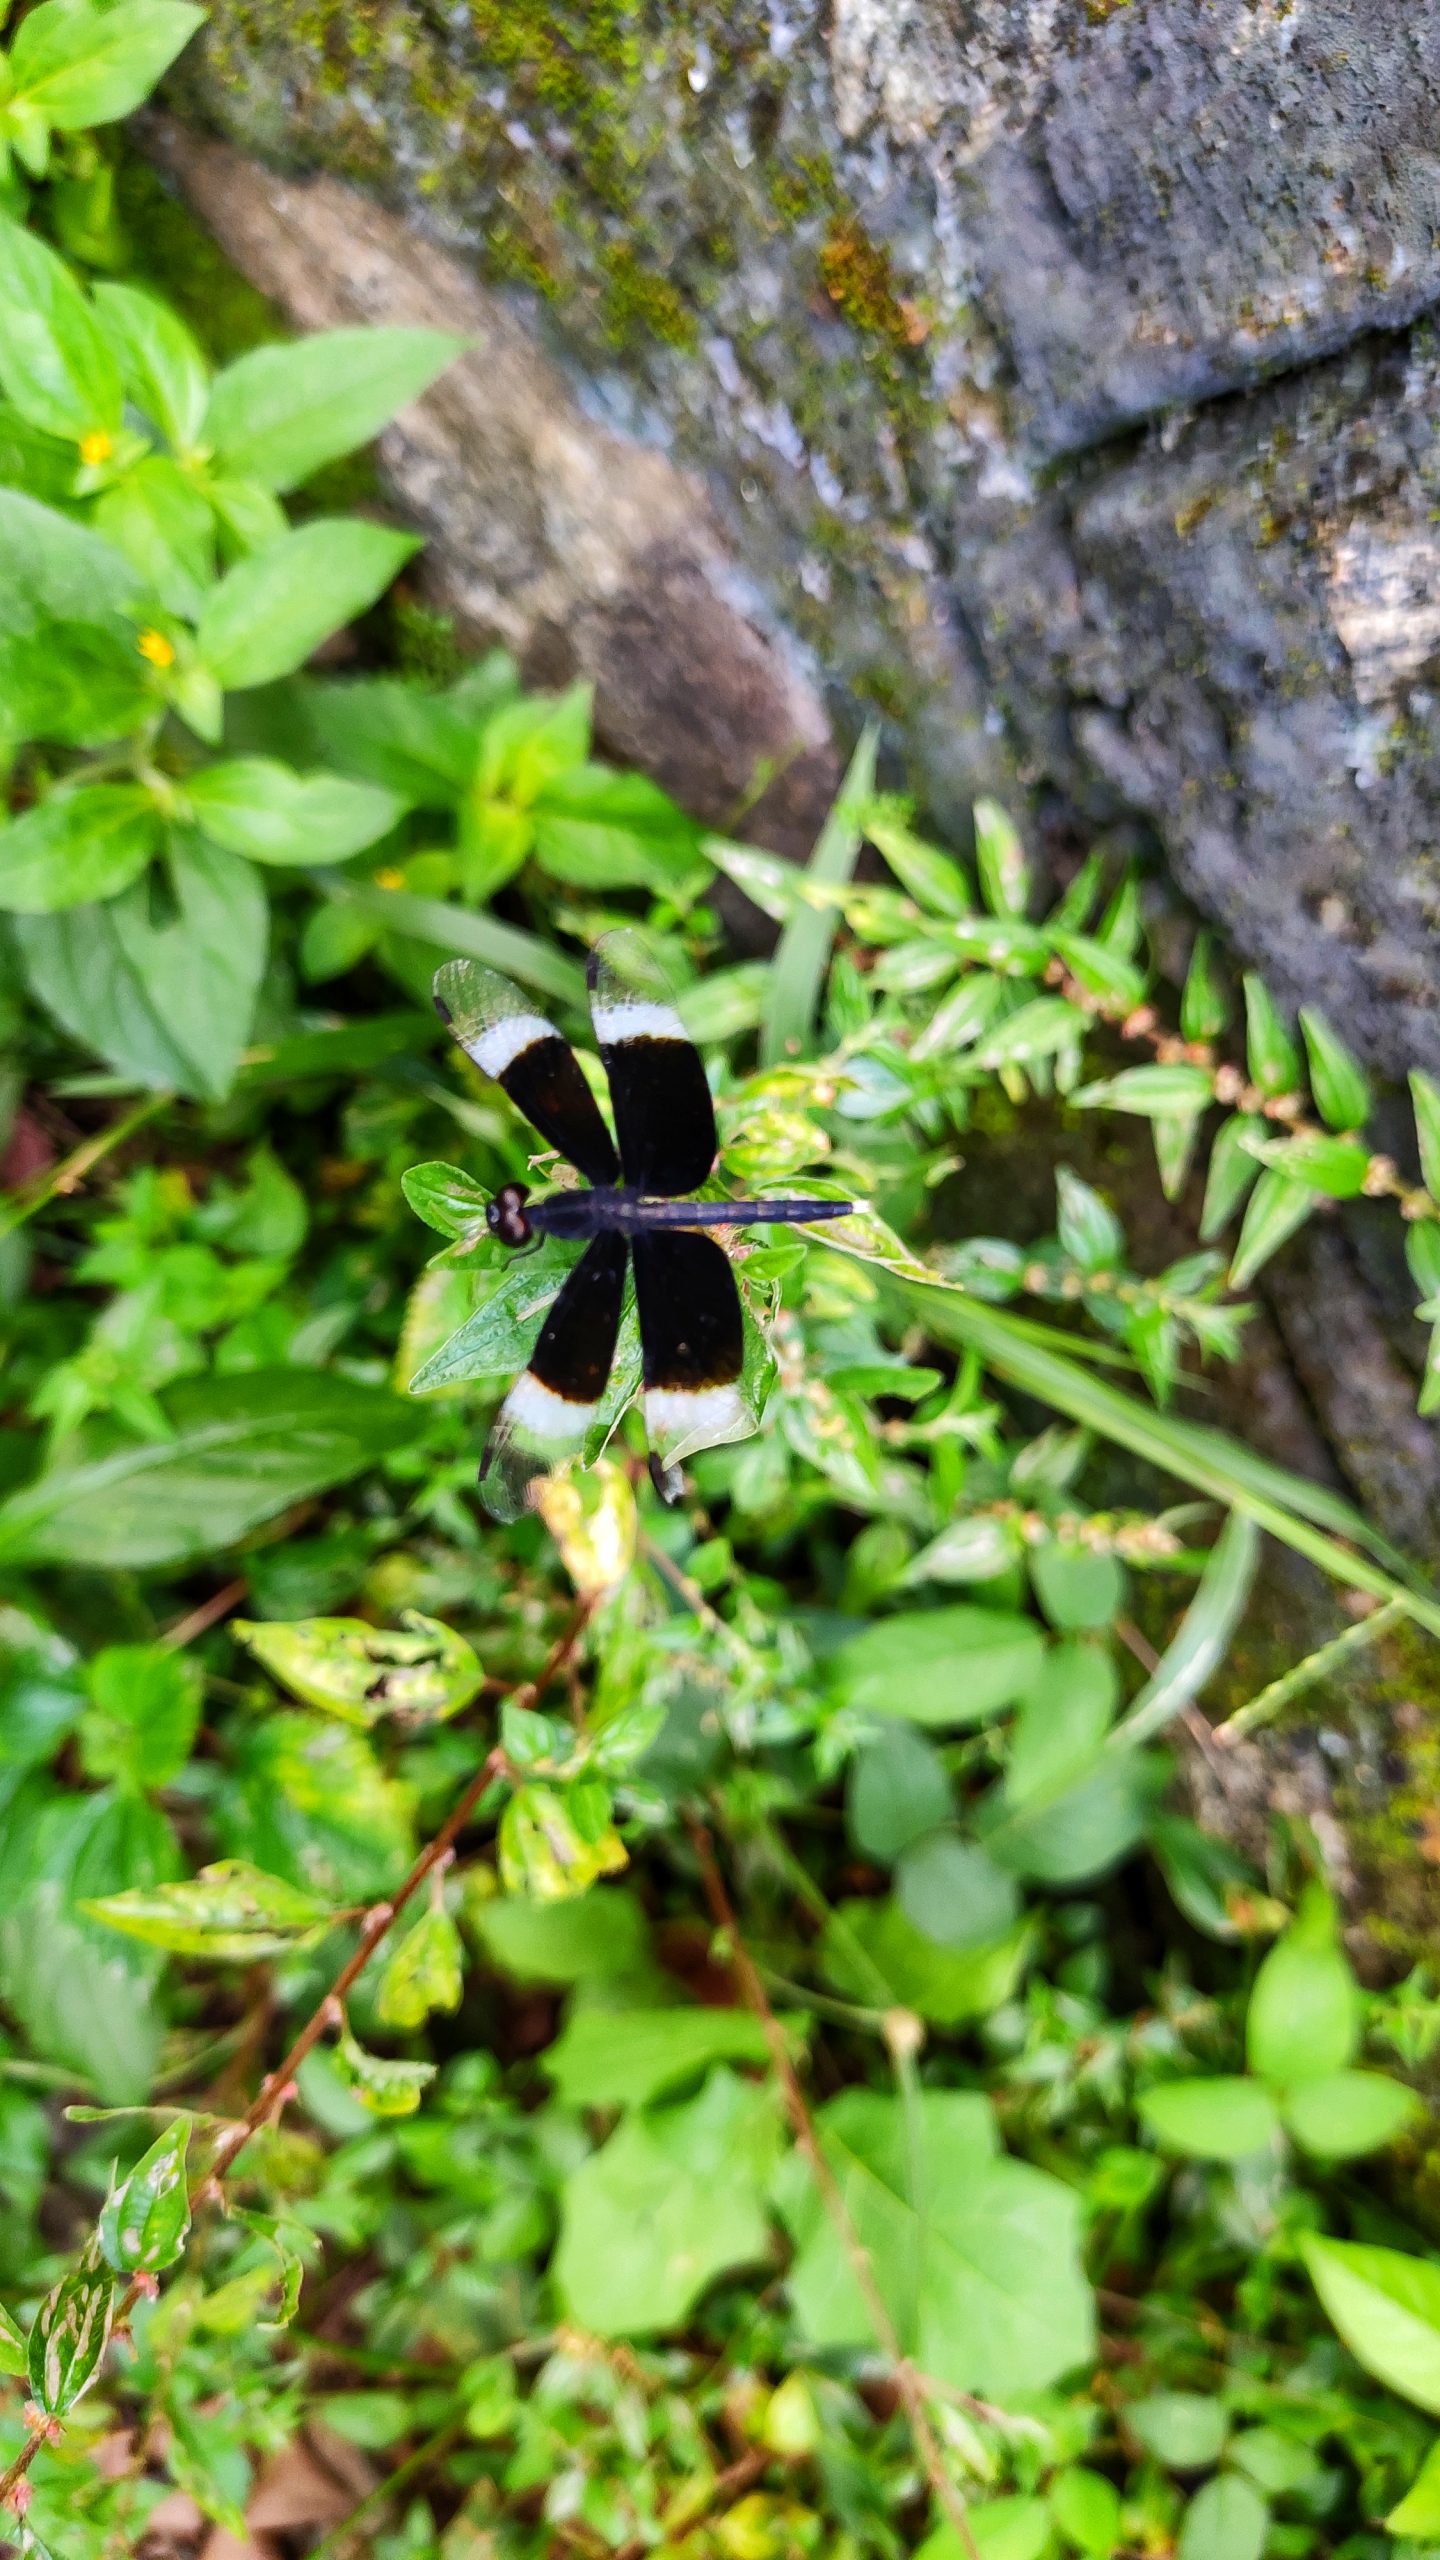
(551, 1407)
(664, 1115)
(502, 1031)
(692, 1340)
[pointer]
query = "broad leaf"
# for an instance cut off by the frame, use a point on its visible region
(144, 1709)
(241, 1449)
(425, 1973)
(75, 847)
(362, 1673)
(1304, 2015)
(55, 363)
(383, 2085)
(675, 2198)
(1220, 2119)
(947, 1985)
(167, 997)
(272, 610)
(1347, 2113)
(231, 1912)
(1226, 2520)
(942, 1667)
(986, 2291)
(162, 367)
(629, 2057)
(259, 808)
(78, 64)
(277, 413)
(1386, 2307)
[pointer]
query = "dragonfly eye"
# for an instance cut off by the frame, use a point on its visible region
(506, 1217)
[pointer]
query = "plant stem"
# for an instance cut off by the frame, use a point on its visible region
(70, 1172)
(278, 2086)
(1268, 1701)
(907, 2381)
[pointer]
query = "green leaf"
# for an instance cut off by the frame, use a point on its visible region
(1064, 1717)
(1232, 1171)
(1203, 1009)
(1304, 2017)
(1086, 2507)
(502, 946)
(230, 1912)
(145, 2222)
(278, 413)
(69, 2339)
(167, 999)
(1418, 2513)
(1088, 1827)
(1153, 1093)
(421, 746)
(1000, 860)
(1425, 1095)
(1336, 1166)
(947, 1985)
(1036, 1030)
(361, 1673)
(1090, 1234)
(1386, 2307)
(986, 2291)
(383, 2086)
(1226, 2520)
(1005, 2528)
(1075, 1587)
(144, 1711)
(58, 571)
(1341, 2114)
(426, 1972)
(1336, 1081)
(630, 2057)
(272, 610)
(1273, 1058)
(161, 364)
(953, 1893)
(499, 1337)
(604, 1939)
(1219, 2119)
(75, 847)
(557, 1841)
(55, 363)
(898, 1789)
(14, 2355)
(77, 64)
(263, 810)
(934, 880)
(599, 829)
(240, 1450)
(673, 2200)
(85, 685)
(451, 1202)
(162, 522)
(1277, 1206)
(1202, 1639)
(1186, 2430)
(943, 1667)
(1100, 971)
(797, 971)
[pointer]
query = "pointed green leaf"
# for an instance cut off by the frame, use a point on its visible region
(361, 1673)
(1232, 1171)
(426, 1972)
(1277, 1207)
(278, 413)
(231, 1912)
(1339, 1087)
(71, 2333)
(1000, 859)
(1273, 1058)
(144, 2224)
(273, 609)
(1386, 2307)
(1203, 1009)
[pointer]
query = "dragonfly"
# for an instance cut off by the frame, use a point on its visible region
(636, 1213)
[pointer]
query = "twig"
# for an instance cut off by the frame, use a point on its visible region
(208, 1615)
(907, 2382)
(70, 1172)
(278, 2086)
(1268, 1701)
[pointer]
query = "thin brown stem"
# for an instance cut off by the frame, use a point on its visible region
(70, 1172)
(278, 2086)
(907, 2381)
(199, 1621)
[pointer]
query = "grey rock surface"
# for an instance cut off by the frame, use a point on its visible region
(1051, 372)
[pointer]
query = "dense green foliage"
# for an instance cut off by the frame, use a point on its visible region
(1000, 2179)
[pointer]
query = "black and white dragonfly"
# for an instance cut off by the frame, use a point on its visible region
(636, 1210)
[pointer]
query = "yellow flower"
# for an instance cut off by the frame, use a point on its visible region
(154, 646)
(389, 879)
(96, 448)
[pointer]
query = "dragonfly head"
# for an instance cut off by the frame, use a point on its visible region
(506, 1217)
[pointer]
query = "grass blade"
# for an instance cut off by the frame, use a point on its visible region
(458, 929)
(1201, 1458)
(1199, 1643)
(797, 971)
